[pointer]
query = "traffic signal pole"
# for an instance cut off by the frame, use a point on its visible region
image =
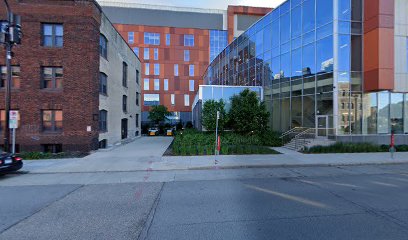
(13, 36)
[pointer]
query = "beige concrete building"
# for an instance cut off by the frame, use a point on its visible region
(119, 93)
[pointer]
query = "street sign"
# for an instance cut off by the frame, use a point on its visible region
(13, 123)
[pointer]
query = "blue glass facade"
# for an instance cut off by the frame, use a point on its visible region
(307, 54)
(218, 41)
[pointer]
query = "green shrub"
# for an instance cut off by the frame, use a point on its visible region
(353, 148)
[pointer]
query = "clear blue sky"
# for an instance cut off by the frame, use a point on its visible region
(212, 4)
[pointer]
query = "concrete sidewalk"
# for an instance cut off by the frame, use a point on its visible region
(145, 154)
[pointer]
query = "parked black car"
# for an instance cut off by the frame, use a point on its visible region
(10, 163)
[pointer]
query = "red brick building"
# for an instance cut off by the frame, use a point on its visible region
(56, 75)
(176, 46)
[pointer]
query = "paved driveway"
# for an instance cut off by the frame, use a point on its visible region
(138, 155)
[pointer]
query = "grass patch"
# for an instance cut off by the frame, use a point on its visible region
(192, 142)
(354, 148)
(43, 155)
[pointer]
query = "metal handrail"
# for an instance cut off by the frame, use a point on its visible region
(290, 131)
(303, 134)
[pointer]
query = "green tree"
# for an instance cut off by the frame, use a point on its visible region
(209, 114)
(247, 113)
(158, 114)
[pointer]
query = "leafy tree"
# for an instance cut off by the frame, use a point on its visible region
(247, 114)
(209, 114)
(158, 114)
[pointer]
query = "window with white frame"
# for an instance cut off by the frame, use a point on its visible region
(146, 84)
(191, 85)
(188, 40)
(186, 55)
(186, 100)
(152, 38)
(168, 39)
(136, 51)
(156, 69)
(156, 84)
(147, 68)
(191, 70)
(156, 54)
(166, 84)
(131, 37)
(173, 99)
(146, 54)
(176, 73)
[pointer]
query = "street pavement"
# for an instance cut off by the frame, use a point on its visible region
(132, 192)
(347, 202)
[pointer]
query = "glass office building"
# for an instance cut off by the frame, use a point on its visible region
(308, 56)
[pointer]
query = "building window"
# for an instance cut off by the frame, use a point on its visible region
(137, 77)
(51, 77)
(151, 99)
(152, 38)
(156, 69)
(131, 37)
(137, 120)
(103, 84)
(124, 103)
(176, 73)
(103, 121)
(15, 76)
(136, 51)
(124, 74)
(137, 98)
(186, 100)
(168, 39)
(52, 35)
(166, 85)
(103, 46)
(146, 84)
(52, 120)
(191, 70)
(218, 41)
(156, 54)
(191, 85)
(186, 55)
(51, 148)
(147, 69)
(156, 84)
(172, 99)
(146, 54)
(188, 40)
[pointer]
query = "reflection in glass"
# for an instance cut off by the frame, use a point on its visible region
(406, 113)
(296, 112)
(356, 53)
(356, 109)
(370, 113)
(396, 113)
(285, 114)
(344, 10)
(324, 31)
(296, 63)
(324, 55)
(324, 12)
(344, 112)
(309, 64)
(308, 13)
(296, 22)
(285, 28)
(383, 112)
(344, 53)
(309, 85)
(309, 115)
(324, 83)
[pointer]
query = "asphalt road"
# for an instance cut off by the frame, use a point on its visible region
(356, 202)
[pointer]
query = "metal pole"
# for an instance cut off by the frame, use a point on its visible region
(8, 84)
(14, 141)
(216, 133)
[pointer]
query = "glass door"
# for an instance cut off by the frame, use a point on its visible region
(322, 125)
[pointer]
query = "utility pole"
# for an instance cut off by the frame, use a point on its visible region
(12, 37)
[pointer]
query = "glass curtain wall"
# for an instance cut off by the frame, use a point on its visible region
(307, 54)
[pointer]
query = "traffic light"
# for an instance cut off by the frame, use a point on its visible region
(15, 30)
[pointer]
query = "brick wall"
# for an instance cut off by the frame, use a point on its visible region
(79, 57)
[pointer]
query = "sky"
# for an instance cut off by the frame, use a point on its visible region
(212, 4)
